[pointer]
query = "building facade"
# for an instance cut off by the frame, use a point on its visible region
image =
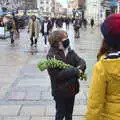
(77, 8)
(30, 4)
(72, 5)
(110, 6)
(46, 7)
(94, 10)
(58, 9)
(19, 4)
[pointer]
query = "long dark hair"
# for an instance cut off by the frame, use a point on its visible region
(103, 50)
(106, 49)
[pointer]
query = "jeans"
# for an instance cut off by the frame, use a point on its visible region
(64, 108)
(11, 36)
(32, 42)
(77, 33)
(45, 38)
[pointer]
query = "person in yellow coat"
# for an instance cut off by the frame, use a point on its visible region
(104, 94)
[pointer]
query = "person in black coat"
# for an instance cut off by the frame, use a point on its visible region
(59, 22)
(85, 23)
(64, 82)
(45, 29)
(77, 25)
(92, 23)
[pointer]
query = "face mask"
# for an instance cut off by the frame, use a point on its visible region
(66, 43)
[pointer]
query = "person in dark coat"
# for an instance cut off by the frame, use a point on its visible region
(85, 23)
(59, 22)
(16, 23)
(92, 22)
(46, 27)
(77, 26)
(64, 82)
(12, 29)
(67, 21)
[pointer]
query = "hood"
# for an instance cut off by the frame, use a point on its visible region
(112, 67)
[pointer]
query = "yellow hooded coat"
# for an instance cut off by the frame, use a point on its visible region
(104, 98)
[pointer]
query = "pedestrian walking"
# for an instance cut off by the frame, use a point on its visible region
(46, 28)
(67, 21)
(85, 23)
(34, 30)
(59, 22)
(77, 25)
(16, 24)
(92, 23)
(12, 29)
(64, 82)
(104, 98)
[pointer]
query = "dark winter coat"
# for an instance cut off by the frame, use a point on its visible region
(59, 22)
(77, 24)
(49, 27)
(61, 77)
(92, 22)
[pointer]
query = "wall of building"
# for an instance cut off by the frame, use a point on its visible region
(94, 10)
(46, 7)
(19, 4)
(58, 9)
(73, 4)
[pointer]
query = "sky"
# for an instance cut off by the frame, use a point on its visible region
(63, 2)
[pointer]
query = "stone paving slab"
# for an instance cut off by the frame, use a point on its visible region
(30, 95)
(43, 82)
(9, 109)
(53, 118)
(13, 58)
(50, 111)
(79, 110)
(33, 110)
(44, 97)
(16, 96)
(36, 118)
(16, 118)
(43, 118)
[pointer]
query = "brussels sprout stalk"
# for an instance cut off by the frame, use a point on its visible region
(54, 63)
